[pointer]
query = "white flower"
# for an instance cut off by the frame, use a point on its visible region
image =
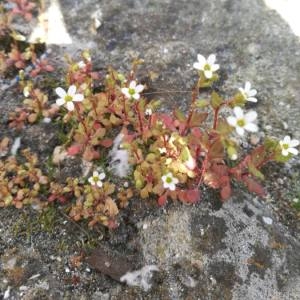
(234, 157)
(26, 91)
(162, 150)
(148, 112)
(96, 179)
(67, 98)
(288, 146)
(133, 92)
(81, 64)
(242, 121)
(247, 93)
(169, 181)
(208, 65)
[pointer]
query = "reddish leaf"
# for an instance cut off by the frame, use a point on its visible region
(112, 224)
(89, 154)
(106, 143)
(226, 192)
(253, 186)
(75, 149)
(196, 132)
(54, 197)
(189, 196)
(168, 121)
(162, 200)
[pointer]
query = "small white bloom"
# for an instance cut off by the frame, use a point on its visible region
(169, 181)
(208, 65)
(133, 92)
(162, 150)
(148, 112)
(26, 91)
(247, 93)
(234, 157)
(242, 121)
(288, 146)
(96, 179)
(81, 64)
(67, 98)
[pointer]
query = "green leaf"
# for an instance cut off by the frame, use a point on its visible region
(224, 128)
(185, 154)
(179, 115)
(216, 150)
(216, 100)
(197, 118)
(201, 103)
(254, 171)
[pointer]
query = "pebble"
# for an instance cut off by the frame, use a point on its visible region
(6, 293)
(267, 220)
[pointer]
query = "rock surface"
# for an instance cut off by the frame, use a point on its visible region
(206, 251)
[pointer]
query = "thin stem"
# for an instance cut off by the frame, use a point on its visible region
(203, 170)
(81, 120)
(139, 117)
(192, 107)
(216, 112)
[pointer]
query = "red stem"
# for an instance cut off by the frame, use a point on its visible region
(139, 117)
(81, 120)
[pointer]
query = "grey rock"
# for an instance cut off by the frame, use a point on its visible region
(230, 253)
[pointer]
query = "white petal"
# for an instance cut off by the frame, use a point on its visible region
(91, 181)
(247, 86)
(124, 90)
(163, 178)
(294, 143)
(211, 59)
(252, 99)
(78, 97)
(70, 106)
(139, 88)
(285, 152)
(60, 92)
(60, 101)
(127, 95)
(208, 74)
(165, 185)
(242, 90)
(240, 130)
(95, 174)
(136, 96)
(99, 183)
(250, 116)
(72, 90)
(252, 93)
(132, 84)
(231, 121)
(102, 176)
(251, 127)
(201, 59)
(215, 67)
(238, 112)
(198, 66)
(293, 151)
(175, 180)
(172, 186)
(287, 140)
